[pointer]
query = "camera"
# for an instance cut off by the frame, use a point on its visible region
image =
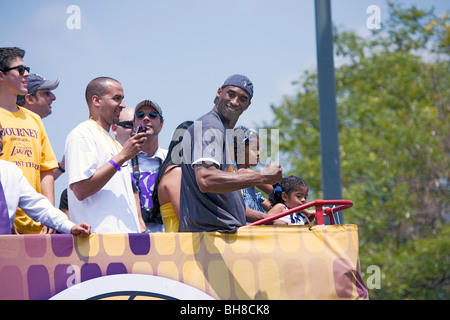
(141, 129)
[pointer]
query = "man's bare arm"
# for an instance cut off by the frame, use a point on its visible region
(210, 179)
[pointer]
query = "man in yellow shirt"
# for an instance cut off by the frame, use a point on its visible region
(29, 147)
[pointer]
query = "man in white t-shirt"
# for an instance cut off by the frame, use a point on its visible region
(99, 177)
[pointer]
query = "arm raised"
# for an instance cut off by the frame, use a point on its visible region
(210, 179)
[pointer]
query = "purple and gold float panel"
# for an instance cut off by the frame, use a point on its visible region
(261, 262)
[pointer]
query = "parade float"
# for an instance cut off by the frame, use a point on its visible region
(258, 261)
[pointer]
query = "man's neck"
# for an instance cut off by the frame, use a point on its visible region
(8, 101)
(229, 124)
(150, 146)
(101, 123)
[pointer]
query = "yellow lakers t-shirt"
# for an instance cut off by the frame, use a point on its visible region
(25, 143)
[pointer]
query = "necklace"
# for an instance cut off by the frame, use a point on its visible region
(107, 134)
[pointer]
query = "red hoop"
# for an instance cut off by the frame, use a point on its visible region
(343, 204)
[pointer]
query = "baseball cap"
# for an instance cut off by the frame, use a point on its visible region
(149, 103)
(36, 82)
(240, 81)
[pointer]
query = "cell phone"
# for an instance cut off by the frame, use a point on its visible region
(141, 129)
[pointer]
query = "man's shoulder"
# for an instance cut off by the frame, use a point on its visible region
(24, 114)
(210, 120)
(9, 167)
(210, 116)
(82, 129)
(162, 153)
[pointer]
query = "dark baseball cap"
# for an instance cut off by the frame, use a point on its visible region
(240, 81)
(36, 82)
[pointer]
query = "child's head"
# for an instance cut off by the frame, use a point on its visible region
(291, 190)
(246, 147)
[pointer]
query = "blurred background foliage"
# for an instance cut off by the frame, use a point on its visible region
(393, 100)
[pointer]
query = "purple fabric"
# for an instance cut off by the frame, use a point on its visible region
(5, 228)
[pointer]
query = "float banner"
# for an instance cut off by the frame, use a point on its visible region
(258, 262)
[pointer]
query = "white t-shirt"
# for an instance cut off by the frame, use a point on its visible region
(113, 208)
(19, 192)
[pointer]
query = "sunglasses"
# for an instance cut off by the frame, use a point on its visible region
(21, 69)
(126, 124)
(152, 114)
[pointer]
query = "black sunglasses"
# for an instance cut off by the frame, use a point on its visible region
(21, 69)
(126, 124)
(152, 114)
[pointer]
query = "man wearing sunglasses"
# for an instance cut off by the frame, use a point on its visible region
(149, 114)
(122, 130)
(25, 138)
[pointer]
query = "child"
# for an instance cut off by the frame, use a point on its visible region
(289, 193)
(246, 150)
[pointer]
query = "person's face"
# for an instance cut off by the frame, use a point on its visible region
(41, 102)
(231, 103)
(111, 104)
(252, 153)
(153, 125)
(122, 130)
(13, 81)
(296, 197)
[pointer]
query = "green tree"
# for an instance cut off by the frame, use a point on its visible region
(393, 92)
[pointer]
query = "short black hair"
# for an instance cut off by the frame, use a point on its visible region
(97, 87)
(7, 54)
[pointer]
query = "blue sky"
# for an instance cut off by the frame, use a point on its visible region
(175, 52)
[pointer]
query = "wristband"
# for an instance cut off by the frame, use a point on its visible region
(115, 165)
(61, 169)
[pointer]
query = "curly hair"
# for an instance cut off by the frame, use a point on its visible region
(287, 185)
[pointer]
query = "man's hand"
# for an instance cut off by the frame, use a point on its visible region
(133, 145)
(81, 229)
(47, 230)
(273, 173)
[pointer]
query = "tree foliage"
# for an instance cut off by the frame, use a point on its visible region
(393, 99)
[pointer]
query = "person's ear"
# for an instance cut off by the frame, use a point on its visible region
(96, 101)
(29, 98)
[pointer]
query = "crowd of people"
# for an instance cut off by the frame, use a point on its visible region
(120, 180)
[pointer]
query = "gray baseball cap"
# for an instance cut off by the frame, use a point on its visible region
(36, 82)
(149, 103)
